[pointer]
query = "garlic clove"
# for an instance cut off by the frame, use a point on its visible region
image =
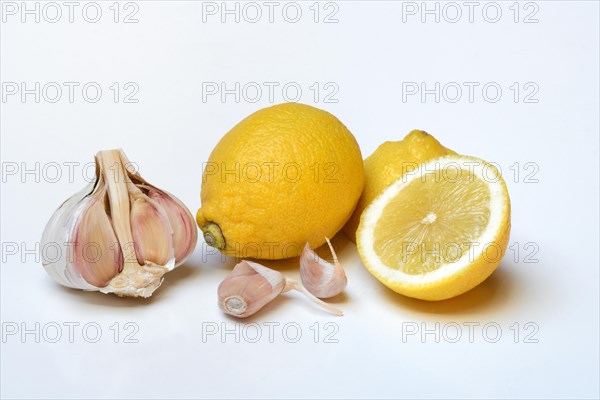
(185, 233)
(251, 286)
(320, 277)
(248, 288)
(153, 242)
(97, 254)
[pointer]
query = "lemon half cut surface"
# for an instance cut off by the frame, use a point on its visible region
(438, 231)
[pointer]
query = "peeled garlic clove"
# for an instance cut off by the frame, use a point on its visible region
(97, 254)
(185, 233)
(248, 288)
(152, 238)
(140, 238)
(321, 278)
(251, 286)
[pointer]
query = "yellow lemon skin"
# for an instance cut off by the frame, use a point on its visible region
(285, 175)
(391, 161)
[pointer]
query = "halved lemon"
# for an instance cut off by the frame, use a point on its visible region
(438, 231)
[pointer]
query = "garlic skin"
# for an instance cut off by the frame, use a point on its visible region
(320, 277)
(120, 234)
(251, 286)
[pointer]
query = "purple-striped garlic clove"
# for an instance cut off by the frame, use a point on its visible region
(151, 232)
(97, 255)
(248, 288)
(185, 231)
(320, 277)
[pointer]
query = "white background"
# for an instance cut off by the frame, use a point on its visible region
(170, 54)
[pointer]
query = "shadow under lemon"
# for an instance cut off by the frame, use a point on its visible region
(339, 242)
(492, 293)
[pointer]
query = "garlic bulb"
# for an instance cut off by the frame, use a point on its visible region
(319, 277)
(251, 286)
(119, 234)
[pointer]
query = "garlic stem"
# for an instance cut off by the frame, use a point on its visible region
(291, 284)
(145, 278)
(335, 259)
(118, 196)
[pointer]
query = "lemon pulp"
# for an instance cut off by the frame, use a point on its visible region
(433, 221)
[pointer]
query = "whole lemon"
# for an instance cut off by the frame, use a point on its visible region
(285, 175)
(390, 161)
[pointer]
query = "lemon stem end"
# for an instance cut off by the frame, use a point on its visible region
(213, 235)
